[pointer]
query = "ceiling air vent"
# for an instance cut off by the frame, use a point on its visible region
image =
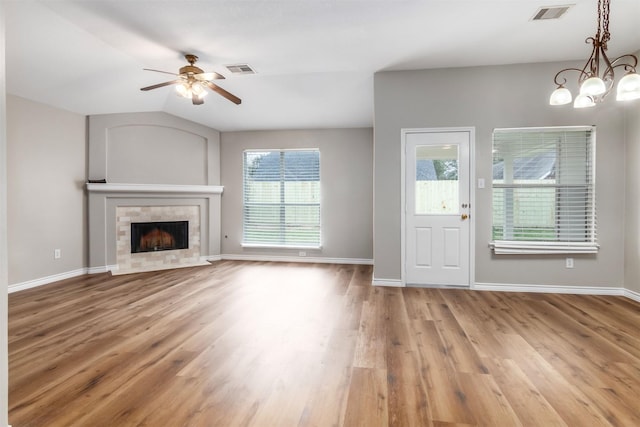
(241, 69)
(550, 12)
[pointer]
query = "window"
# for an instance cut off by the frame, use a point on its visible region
(282, 198)
(543, 190)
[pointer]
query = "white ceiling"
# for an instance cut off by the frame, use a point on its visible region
(315, 59)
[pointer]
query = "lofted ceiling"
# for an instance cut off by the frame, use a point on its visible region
(315, 59)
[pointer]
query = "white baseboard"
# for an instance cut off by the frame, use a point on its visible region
(102, 269)
(97, 270)
(45, 280)
(632, 295)
(388, 282)
(501, 287)
(550, 289)
(210, 258)
(278, 258)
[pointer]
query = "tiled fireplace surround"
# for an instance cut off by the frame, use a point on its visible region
(143, 261)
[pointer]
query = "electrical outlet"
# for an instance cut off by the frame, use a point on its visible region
(302, 253)
(57, 254)
(569, 263)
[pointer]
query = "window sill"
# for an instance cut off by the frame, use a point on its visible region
(502, 247)
(258, 246)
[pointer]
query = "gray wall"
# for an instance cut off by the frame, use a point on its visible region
(346, 177)
(153, 148)
(632, 198)
(487, 98)
(46, 198)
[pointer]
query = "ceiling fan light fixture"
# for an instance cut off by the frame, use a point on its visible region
(183, 90)
(198, 89)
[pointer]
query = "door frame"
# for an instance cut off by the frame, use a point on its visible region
(472, 195)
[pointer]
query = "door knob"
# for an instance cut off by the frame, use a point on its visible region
(464, 216)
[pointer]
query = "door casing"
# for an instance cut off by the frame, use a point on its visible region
(472, 194)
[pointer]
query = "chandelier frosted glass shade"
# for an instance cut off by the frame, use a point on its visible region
(593, 86)
(629, 87)
(583, 101)
(560, 96)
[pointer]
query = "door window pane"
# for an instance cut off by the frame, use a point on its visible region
(437, 186)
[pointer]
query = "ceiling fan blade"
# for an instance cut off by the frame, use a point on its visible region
(173, 82)
(196, 100)
(160, 71)
(224, 93)
(208, 76)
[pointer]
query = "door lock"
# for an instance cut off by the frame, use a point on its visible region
(464, 216)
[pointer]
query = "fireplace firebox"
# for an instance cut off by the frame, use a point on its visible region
(159, 236)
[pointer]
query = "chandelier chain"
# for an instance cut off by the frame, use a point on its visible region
(603, 14)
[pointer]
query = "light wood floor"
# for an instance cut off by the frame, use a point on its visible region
(264, 344)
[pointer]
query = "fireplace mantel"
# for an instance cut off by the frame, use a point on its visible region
(154, 188)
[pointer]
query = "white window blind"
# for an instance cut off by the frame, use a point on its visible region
(282, 198)
(544, 190)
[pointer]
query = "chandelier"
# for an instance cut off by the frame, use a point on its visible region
(596, 78)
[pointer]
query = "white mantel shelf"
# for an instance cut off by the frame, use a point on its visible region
(154, 188)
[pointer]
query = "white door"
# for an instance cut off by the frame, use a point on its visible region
(437, 208)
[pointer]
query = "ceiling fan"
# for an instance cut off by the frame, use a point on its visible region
(192, 82)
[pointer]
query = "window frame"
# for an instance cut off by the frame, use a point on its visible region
(558, 245)
(282, 203)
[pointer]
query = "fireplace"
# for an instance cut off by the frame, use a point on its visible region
(135, 221)
(159, 236)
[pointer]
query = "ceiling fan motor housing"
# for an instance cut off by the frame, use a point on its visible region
(190, 69)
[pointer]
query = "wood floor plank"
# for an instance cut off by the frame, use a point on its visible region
(367, 402)
(523, 397)
(460, 351)
(568, 400)
(480, 322)
(446, 399)
(408, 403)
(616, 330)
(242, 343)
(327, 402)
(487, 401)
(371, 345)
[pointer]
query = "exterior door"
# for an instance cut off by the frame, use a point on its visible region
(437, 208)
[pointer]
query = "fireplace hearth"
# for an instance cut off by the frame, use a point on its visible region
(159, 236)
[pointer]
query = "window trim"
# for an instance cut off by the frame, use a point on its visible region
(256, 245)
(514, 247)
